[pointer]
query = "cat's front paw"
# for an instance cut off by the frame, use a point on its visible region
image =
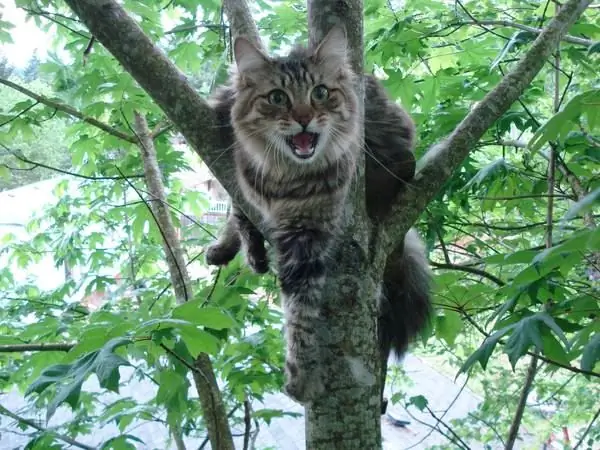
(220, 255)
(303, 386)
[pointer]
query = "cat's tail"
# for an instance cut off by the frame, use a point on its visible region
(405, 301)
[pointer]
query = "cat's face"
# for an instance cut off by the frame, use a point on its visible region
(302, 106)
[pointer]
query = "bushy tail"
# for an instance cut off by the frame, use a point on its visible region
(405, 302)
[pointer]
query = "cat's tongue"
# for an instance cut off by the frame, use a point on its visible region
(303, 143)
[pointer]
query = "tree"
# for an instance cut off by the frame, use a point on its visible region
(30, 72)
(534, 326)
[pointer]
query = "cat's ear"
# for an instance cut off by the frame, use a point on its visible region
(247, 55)
(333, 47)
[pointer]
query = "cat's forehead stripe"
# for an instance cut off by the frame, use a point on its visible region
(295, 71)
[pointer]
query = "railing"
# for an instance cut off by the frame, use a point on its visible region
(217, 207)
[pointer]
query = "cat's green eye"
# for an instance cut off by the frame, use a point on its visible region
(278, 97)
(320, 93)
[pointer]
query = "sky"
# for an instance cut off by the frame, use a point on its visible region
(26, 36)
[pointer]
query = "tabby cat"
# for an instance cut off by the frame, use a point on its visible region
(295, 123)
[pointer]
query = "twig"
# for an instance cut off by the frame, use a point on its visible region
(416, 444)
(456, 437)
(70, 111)
(568, 367)
(468, 269)
(516, 422)
(15, 117)
(202, 369)
(439, 163)
(50, 347)
(587, 430)
(36, 164)
(509, 24)
(247, 423)
(32, 424)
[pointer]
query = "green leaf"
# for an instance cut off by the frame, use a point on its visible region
(419, 402)
(268, 414)
(483, 353)
(594, 48)
(4, 172)
(551, 324)
(448, 326)
(591, 353)
(208, 316)
(562, 122)
(70, 377)
(107, 364)
(199, 341)
(583, 205)
(552, 348)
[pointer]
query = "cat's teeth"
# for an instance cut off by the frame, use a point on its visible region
(303, 144)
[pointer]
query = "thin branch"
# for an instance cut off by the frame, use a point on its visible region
(69, 110)
(50, 347)
(36, 165)
(247, 423)
(468, 269)
(568, 367)
(173, 251)
(15, 117)
(240, 20)
(32, 424)
(450, 405)
(509, 24)
(202, 369)
(516, 422)
(172, 91)
(440, 162)
(587, 430)
(457, 438)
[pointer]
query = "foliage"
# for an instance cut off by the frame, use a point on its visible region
(500, 293)
(33, 132)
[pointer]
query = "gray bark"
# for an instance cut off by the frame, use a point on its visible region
(348, 417)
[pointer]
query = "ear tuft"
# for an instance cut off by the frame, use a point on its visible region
(334, 46)
(247, 56)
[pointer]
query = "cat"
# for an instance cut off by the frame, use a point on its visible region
(293, 123)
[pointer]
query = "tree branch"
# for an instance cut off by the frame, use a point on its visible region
(202, 370)
(568, 367)
(50, 347)
(240, 20)
(513, 432)
(468, 269)
(587, 430)
(510, 24)
(69, 110)
(32, 424)
(166, 84)
(440, 162)
(36, 164)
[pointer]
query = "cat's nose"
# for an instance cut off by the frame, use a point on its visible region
(302, 114)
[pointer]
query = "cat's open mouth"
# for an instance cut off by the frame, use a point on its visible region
(303, 144)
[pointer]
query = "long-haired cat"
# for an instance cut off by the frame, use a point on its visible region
(294, 122)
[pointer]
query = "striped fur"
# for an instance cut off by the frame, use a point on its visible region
(300, 200)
